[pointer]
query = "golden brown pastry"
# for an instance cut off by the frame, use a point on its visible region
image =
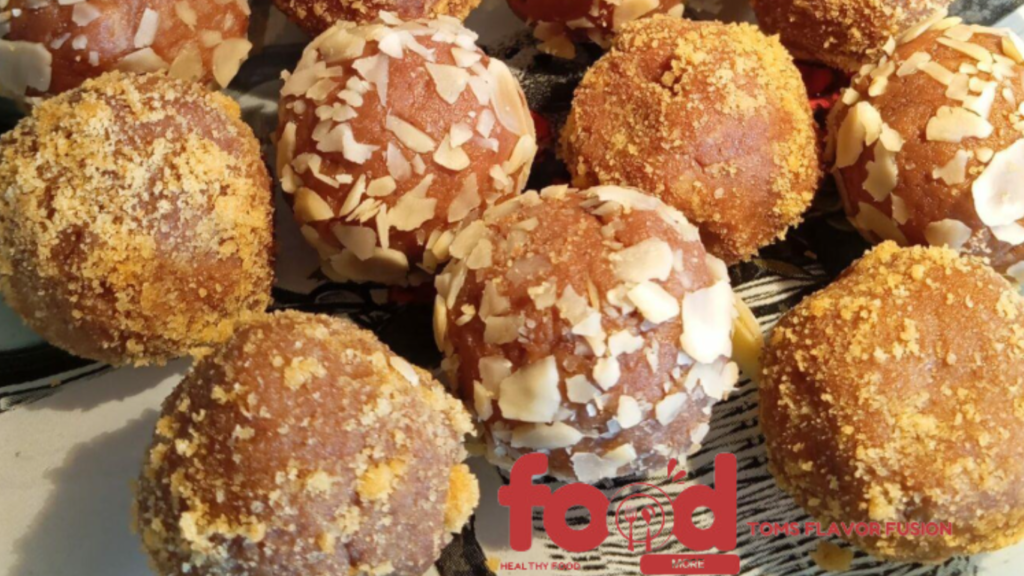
(712, 118)
(589, 324)
(843, 34)
(896, 394)
(304, 446)
(927, 145)
(49, 47)
(557, 24)
(135, 219)
(392, 136)
(316, 16)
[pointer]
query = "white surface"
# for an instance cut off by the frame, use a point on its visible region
(66, 464)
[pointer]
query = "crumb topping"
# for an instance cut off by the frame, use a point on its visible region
(135, 219)
(710, 117)
(895, 394)
(357, 470)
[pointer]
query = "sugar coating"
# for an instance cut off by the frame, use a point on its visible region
(844, 34)
(897, 394)
(712, 118)
(304, 446)
(135, 219)
(51, 47)
(392, 136)
(315, 16)
(589, 324)
(928, 142)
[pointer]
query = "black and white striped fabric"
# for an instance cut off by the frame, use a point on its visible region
(812, 255)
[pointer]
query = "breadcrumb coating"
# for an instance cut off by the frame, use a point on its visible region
(315, 16)
(712, 118)
(843, 34)
(304, 446)
(135, 219)
(897, 394)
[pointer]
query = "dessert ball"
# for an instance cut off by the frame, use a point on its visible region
(304, 446)
(315, 16)
(392, 136)
(712, 118)
(896, 395)
(843, 34)
(557, 24)
(135, 219)
(927, 146)
(588, 324)
(51, 47)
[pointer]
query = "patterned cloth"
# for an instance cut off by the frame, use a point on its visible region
(785, 273)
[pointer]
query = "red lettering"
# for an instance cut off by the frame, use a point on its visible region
(577, 495)
(521, 496)
(721, 501)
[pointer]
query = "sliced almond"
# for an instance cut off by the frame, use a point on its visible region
(361, 241)
(228, 57)
(531, 394)
(955, 125)
(545, 436)
(654, 302)
(950, 233)
(310, 207)
(410, 136)
(708, 322)
(451, 157)
(449, 81)
(998, 193)
(590, 467)
(648, 260)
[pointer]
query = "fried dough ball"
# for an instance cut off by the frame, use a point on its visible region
(135, 219)
(392, 135)
(316, 16)
(712, 118)
(896, 394)
(50, 47)
(557, 24)
(843, 34)
(928, 144)
(304, 446)
(589, 324)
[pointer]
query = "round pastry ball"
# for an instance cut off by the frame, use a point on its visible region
(712, 118)
(928, 144)
(52, 47)
(557, 24)
(391, 137)
(304, 446)
(896, 394)
(136, 219)
(843, 34)
(588, 324)
(315, 16)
